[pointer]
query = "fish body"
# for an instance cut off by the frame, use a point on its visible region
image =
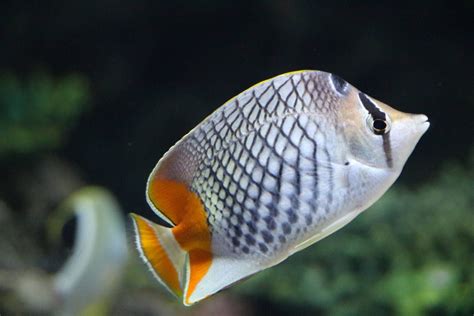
(272, 171)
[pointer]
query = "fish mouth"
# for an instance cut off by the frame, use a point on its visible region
(423, 122)
(423, 118)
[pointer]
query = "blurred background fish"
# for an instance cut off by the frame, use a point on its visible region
(94, 92)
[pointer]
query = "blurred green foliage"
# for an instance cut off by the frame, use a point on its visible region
(36, 113)
(410, 254)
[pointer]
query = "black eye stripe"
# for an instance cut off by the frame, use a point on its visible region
(379, 115)
(371, 107)
(339, 84)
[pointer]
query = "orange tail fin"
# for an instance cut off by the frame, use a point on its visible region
(161, 253)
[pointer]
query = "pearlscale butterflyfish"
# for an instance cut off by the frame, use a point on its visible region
(275, 169)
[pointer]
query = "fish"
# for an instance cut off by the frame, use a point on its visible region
(275, 169)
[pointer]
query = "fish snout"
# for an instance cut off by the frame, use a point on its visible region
(422, 121)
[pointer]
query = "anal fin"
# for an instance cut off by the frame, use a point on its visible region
(197, 265)
(222, 273)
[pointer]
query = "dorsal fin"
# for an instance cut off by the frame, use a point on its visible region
(168, 183)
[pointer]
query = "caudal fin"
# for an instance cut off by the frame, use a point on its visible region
(181, 257)
(161, 252)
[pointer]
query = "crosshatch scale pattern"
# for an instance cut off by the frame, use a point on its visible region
(258, 174)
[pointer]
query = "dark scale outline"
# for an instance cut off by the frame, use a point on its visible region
(326, 99)
(263, 109)
(232, 208)
(292, 216)
(300, 98)
(312, 202)
(315, 149)
(256, 109)
(287, 109)
(323, 96)
(259, 185)
(264, 138)
(276, 92)
(280, 99)
(331, 178)
(238, 163)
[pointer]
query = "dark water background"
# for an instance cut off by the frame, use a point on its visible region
(152, 70)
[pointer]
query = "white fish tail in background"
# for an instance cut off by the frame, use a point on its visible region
(272, 171)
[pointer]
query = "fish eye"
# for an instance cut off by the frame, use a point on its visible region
(380, 126)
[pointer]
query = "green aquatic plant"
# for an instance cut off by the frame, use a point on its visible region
(410, 254)
(37, 112)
